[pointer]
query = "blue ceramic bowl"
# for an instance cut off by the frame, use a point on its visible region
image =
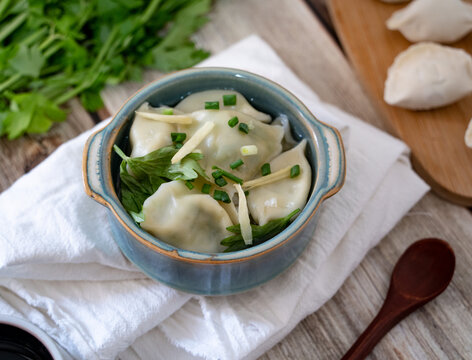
(222, 273)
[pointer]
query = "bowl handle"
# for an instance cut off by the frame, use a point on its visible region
(92, 167)
(336, 158)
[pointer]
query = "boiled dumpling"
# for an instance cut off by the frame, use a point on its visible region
(222, 146)
(148, 135)
(427, 76)
(468, 135)
(279, 198)
(186, 219)
(443, 21)
(197, 101)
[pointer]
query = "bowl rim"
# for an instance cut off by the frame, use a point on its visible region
(122, 117)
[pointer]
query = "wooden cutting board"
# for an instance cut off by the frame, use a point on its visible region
(436, 137)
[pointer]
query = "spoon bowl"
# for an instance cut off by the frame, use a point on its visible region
(423, 272)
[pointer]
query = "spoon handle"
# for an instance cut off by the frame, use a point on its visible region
(394, 309)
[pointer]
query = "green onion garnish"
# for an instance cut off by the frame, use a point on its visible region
(295, 171)
(212, 105)
(189, 185)
(236, 164)
(265, 169)
(221, 181)
(168, 112)
(221, 196)
(226, 175)
(243, 128)
(178, 145)
(217, 174)
(178, 137)
(233, 121)
(246, 192)
(229, 100)
(206, 188)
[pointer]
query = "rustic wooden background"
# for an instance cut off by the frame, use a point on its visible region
(302, 34)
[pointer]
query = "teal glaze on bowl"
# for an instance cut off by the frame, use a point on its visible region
(222, 273)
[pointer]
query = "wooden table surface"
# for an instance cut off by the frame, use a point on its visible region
(440, 330)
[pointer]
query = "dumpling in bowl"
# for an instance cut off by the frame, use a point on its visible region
(222, 146)
(427, 76)
(148, 135)
(186, 219)
(444, 21)
(197, 101)
(280, 198)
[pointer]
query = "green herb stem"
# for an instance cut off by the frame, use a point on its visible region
(227, 175)
(150, 10)
(12, 25)
(10, 82)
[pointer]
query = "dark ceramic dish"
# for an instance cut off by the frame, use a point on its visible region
(222, 273)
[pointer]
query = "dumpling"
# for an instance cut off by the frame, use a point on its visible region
(442, 21)
(278, 199)
(148, 135)
(222, 146)
(427, 76)
(468, 135)
(197, 101)
(186, 219)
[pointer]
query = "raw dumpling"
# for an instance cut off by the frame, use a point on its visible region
(186, 219)
(427, 76)
(222, 146)
(148, 135)
(468, 135)
(443, 21)
(197, 101)
(279, 198)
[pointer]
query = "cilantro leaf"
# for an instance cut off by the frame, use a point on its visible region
(27, 61)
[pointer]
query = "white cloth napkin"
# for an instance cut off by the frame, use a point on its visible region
(61, 270)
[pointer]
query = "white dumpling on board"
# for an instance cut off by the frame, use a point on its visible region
(443, 21)
(427, 76)
(148, 135)
(197, 101)
(278, 199)
(222, 145)
(186, 219)
(468, 135)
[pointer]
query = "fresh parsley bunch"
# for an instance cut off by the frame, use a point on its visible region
(54, 50)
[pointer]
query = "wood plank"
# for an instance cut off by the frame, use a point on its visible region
(436, 137)
(19, 156)
(440, 330)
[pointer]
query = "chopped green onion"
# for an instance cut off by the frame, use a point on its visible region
(265, 169)
(248, 150)
(168, 111)
(178, 137)
(221, 181)
(246, 192)
(243, 127)
(233, 121)
(227, 175)
(295, 171)
(217, 174)
(236, 164)
(189, 185)
(206, 188)
(221, 196)
(229, 100)
(212, 105)
(178, 145)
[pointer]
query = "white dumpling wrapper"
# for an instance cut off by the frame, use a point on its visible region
(444, 21)
(278, 199)
(222, 146)
(186, 219)
(427, 76)
(468, 135)
(149, 135)
(197, 101)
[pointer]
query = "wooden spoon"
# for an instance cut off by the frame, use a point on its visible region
(422, 273)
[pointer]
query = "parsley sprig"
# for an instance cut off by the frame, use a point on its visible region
(53, 50)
